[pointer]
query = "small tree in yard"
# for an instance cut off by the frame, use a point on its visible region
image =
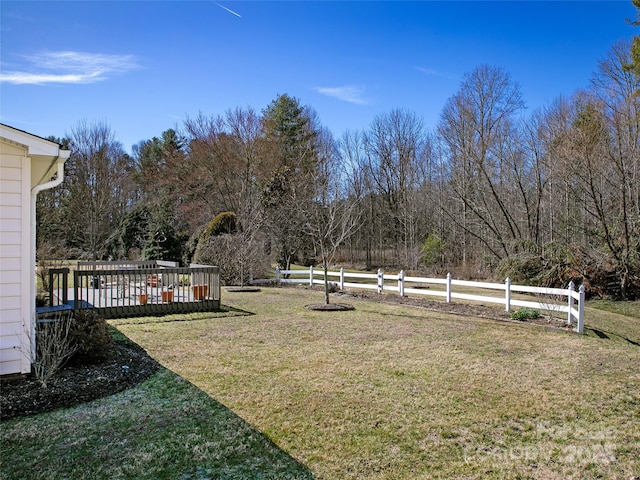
(328, 226)
(331, 218)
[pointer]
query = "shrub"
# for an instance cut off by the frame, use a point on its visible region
(54, 346)
(525, 314)
(222, 223)
(523, 268)
(432, 249)
(91, 337)
(42, 299)
(333, 287)
(236, 257)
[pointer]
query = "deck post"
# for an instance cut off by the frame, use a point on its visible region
(76, 289)
(58, 276)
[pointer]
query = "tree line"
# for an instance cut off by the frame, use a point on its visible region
(543, 197)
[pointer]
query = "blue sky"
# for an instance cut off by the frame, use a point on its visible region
(144, 66)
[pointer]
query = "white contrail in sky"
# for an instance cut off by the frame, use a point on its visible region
(228, 10)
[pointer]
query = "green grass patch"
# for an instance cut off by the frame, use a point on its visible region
(604, 320)
(628, 309)
(382, 392)
(165, 428)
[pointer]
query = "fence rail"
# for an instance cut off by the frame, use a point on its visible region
(557, 300)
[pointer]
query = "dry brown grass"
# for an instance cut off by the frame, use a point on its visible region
(388, 391)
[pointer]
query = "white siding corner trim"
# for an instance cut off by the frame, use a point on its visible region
(22, 156)
(15, 234)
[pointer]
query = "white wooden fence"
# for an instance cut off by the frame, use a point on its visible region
(564, 300)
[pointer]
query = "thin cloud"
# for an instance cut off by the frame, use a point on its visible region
(68, 67)
(347, 93)
(432, 72)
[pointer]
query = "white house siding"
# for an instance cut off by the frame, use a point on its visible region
(15, 268)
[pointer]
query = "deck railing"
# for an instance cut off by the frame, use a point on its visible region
(58, 286)
(119, 289)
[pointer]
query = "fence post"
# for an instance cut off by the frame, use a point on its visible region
(277, 275)
(401, 283)
(580, 327)
(507, 289)
(380, 281)
(341, 278)
(571, 289)
(311, 276)
(448, 287)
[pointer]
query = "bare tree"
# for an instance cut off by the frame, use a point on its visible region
(99, 190)
(54, 346)
(394, 147)
(245, 128)
(209, 177)
(358, 184)
(331, 215)
(618, 89)
(477, 126)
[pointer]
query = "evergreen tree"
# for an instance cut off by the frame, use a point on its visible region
(153, 230)
(291, 133)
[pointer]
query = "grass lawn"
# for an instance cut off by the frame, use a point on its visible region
(382, 392)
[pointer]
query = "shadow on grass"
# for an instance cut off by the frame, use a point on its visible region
(237, 449)
(599, 333)
(224, 312)
(165, 427)
(607, 335)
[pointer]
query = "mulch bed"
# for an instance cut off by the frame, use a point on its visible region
(242, 289)
(469, 310)
(127, 366)
(330, 307)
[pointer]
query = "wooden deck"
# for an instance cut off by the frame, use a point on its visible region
(119, 289)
